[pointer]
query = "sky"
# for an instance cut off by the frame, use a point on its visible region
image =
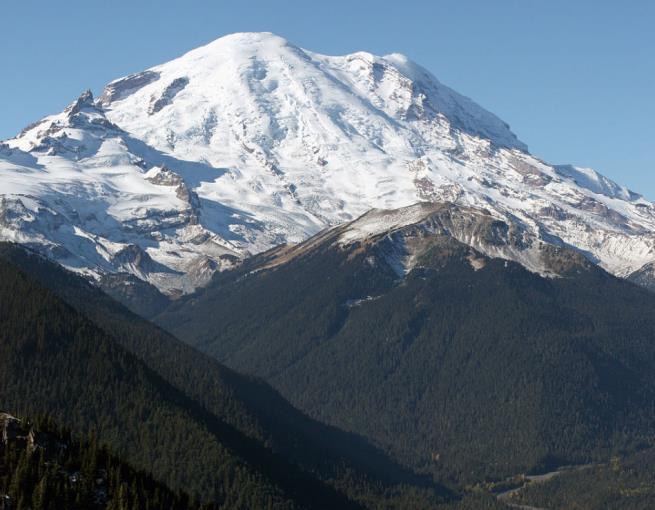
(574, 79)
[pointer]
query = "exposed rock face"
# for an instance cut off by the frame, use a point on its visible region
(166, 98)
(11, 428)
(644, 276)
(402, 237)
(165, 177)
(118, 89)
(139, 296)
(20, 433)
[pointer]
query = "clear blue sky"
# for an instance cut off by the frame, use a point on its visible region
(574, 78)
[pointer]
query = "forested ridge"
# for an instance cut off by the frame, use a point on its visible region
(468, 373)
(465, 374)
(55, 361)
(244, 415)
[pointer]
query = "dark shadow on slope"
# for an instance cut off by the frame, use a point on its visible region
(193, 173)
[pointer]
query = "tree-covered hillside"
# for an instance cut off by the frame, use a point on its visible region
(54, 360)
(44, 467)
(245, 406)
(623, 483)
(467, 366)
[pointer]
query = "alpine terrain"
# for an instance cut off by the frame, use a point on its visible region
(250, 142)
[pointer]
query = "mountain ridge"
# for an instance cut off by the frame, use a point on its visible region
(456, 361)
(254, 421)
(250, 142)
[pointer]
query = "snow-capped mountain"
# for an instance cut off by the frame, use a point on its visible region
(250, 142)
(91, 197)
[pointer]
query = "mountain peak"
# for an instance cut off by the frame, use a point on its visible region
(270, 143)
(86, 101)
(86, 98)
(250, 38)
(241, 45)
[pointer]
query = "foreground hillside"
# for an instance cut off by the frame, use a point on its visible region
(54, 360)
(456, 361)
(623, 483)
(175, 411)
(43, 467)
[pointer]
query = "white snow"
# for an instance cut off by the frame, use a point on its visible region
(275, 143)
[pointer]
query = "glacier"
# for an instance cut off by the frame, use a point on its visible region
(250, 142)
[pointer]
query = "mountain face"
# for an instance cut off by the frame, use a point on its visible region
(81, 196)
(408, 327)
(174, 411)
(55, 361)
(250, 142)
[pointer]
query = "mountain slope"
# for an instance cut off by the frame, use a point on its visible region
(250, 142)
(56, 361)
(92, 198)
(252, 413)
(451, 358)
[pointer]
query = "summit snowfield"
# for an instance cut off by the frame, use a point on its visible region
(250, 142)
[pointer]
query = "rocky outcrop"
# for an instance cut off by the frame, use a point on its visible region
(163, 176)
(174, 88)
(121, 88)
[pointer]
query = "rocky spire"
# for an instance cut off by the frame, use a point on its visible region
(85, 100)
